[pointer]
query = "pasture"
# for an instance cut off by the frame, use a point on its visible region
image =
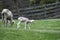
(40, 30)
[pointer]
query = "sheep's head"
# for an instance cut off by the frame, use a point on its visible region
(32, 20)
(13, 21)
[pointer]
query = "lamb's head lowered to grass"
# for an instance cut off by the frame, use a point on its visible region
(7, 15)
(25, 20)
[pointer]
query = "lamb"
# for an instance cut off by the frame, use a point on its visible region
(7, 16)
(25, 20)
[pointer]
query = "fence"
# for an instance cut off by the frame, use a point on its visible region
(39, 12)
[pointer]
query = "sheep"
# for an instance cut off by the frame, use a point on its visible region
(25, 20)
(7, 16)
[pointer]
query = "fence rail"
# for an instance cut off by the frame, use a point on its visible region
(39, 12)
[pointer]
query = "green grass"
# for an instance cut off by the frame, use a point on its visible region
(40, 24)
(27, 35)
(12, 33)
(47, 24)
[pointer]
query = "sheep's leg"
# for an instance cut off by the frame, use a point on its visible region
(18, 24)
(25, 25)
(5, 22)
(11, 21)
(28, 26)
(2, 18)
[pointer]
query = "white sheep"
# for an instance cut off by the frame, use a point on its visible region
(25, 20)
(7, 16)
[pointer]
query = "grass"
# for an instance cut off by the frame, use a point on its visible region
(7, 33)
(47, 24)
(27, 35)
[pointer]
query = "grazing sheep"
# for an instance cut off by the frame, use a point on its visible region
(7, 16)
(24, 19)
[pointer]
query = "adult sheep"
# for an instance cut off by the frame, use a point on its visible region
(7, 16)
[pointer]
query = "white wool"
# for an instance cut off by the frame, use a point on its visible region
(7, 16)
(25, 20)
